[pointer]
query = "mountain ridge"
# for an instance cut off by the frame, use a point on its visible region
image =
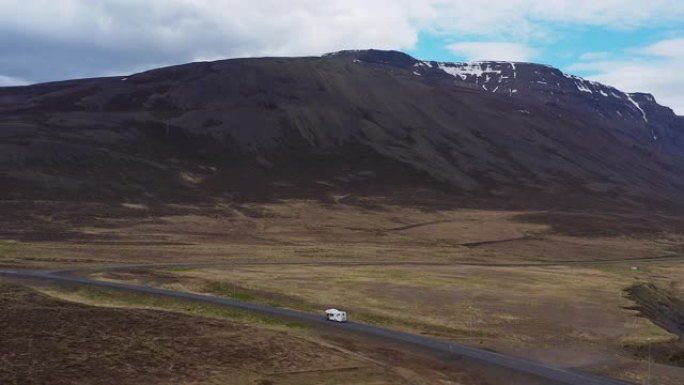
(500, 76)
(362, 122)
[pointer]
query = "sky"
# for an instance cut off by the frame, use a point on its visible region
(634, 45)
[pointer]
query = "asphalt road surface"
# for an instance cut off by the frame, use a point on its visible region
(549, 374)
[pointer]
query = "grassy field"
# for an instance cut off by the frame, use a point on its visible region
(536, 306)
(85, 336)
(569, 316)
(576, 316)
(302, 230)
(545, 286)
(46, 340)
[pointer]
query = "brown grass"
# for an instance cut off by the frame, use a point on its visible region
(571, 314)
(298, 230)
(137, 339)
(51, 341)
(564, 315)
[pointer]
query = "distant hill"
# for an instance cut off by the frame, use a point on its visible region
(352, 122)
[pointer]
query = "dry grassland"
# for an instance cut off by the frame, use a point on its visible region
(303, 230)
(458, 274)
(86, 336)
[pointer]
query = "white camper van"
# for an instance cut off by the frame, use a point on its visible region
(336, 315)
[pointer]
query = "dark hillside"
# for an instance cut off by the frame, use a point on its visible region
(354, 122)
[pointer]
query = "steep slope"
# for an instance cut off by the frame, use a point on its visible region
(362, 122)
(636, 114)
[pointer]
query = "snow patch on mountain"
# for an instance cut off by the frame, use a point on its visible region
(488, 70)
(634, 102)
(476, 69)
(425, 64)
(583, 88)
(555, 86)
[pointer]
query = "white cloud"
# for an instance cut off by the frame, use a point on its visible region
(530, 19)
(8, 81)
(215, 27)
(493, 51)
(655, 69)
(672, 48)
(251, 27)
(620, 14)
(64, 38)
(595, 55)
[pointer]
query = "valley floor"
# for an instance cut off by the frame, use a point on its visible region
(548, 286)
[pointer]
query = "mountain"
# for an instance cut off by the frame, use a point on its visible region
(373, 123)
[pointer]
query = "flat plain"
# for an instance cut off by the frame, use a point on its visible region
(553, 287)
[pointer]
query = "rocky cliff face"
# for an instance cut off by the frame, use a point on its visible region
(366, 122)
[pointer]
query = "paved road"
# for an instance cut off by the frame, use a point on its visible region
(551, 375)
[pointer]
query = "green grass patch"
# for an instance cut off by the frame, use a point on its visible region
(7, 245)
(226, 289)
(229, 290)
(111, 297)
(396, 323)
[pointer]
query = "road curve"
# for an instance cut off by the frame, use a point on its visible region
(554, 375)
